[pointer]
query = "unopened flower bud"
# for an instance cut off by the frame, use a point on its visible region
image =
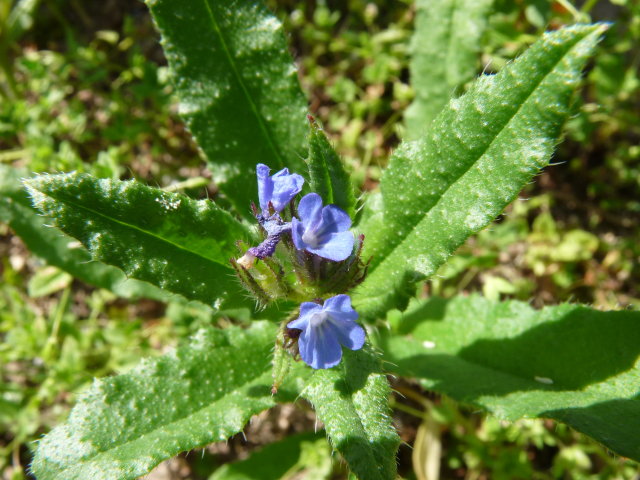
(247, 260)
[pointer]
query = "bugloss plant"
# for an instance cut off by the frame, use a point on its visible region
(321, 259)
(312, 273)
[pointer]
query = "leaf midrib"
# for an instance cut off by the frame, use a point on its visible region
(362, 430)
(234, 69)
(90, 459)
(479, 157)
(133, 227)
(370, 438)
(369, 451)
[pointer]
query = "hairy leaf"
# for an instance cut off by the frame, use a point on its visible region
(169, 240)
(58, 249)
(238, 89)
(481, 150)
(327, 176)
(204, 392)
(570, 363)
(351, 400)
(444, 55)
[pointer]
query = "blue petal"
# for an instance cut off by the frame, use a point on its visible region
(297, 230)
(309, 308)
(282, 173)
(285, 187)
(265, 185)
(334, 246)
(340, 307)
(306, 310)
(348, 333)
(319, 347)
(334, 220)
(310, 210)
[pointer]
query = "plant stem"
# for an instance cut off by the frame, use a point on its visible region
(57, 320)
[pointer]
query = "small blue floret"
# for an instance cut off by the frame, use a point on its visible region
(323, 231)
(325, 328)
(279, 189)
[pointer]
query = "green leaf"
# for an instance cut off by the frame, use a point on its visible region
(481, 150)
(203, 392)
(352, 401)
(569, 362)
(238, 88)
(444, 55)
(58, 249)
(284, 459)
(169, 240)
(64, 252)
(327, 176)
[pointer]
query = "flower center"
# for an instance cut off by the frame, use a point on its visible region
(317, 319)
(310, 238)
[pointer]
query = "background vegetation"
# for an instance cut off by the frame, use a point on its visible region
(84, 87)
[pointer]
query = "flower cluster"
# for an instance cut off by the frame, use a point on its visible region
(323, 231)
(319, 248)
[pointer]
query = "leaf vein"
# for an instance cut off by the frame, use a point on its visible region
(478, 158)
(234, 69)
(135, 227)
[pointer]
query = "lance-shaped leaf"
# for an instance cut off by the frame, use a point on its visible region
(327, 176)
(203, 392)
(444, 55)
(352, 401)
(58, 249)
(238, 88)
(569, 362)
(481, 150)
(176, 243)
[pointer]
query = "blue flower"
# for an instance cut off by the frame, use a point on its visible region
(278, 189)
(322, 230)
(325, 328)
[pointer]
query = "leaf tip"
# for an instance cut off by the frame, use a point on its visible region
(34, 187)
